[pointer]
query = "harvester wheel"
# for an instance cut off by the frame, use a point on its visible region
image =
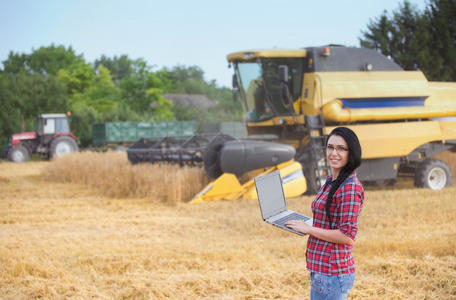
(5, 151)
(311, 180)
(18, 154)
(309, 169)
(62, 145)
(434, 174)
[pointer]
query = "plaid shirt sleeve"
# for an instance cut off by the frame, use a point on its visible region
(349, 202)
(330, 258)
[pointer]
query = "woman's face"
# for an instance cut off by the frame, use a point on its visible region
(337, 153)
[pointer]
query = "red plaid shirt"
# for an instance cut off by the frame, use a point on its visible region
(331, 258)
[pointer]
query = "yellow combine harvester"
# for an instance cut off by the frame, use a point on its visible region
(292, 98)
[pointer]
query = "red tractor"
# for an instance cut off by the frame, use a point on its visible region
(52, 137)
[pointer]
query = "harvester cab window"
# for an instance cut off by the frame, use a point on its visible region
(260, 87)
(251, 85)
(273, 92)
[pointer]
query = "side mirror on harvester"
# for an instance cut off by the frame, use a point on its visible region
(283, 73)
(235, 89)
(235, 82)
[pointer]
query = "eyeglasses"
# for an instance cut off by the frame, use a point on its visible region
(338, 149)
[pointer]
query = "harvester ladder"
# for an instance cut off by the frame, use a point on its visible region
(317, 139)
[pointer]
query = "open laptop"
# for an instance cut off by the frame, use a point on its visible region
(273, 204)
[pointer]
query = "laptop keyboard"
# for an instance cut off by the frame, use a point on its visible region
(292, 216)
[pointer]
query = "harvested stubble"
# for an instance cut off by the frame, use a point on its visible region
(79, 240)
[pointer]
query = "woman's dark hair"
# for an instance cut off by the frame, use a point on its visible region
(354, 161)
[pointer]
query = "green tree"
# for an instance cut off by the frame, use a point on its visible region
(119, 67)
(25, 95)
(186, 80)
(83, 116)
(15, 63)
(408, 34)
(45, 60)
(190, 80)
(142, 90)
(399, 37)
(99, 93)
(416, 40)
(442, 29)
(103, 92)
(77, 77)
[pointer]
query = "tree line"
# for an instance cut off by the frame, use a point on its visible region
(55, 79)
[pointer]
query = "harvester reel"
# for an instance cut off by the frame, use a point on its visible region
(182, 150)
(18, 154)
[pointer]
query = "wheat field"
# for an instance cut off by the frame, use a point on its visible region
(91, 226)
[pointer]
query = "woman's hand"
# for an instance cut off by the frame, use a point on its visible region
(329, 235)
(298, 225)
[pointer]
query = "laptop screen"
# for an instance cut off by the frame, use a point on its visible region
(270, 194)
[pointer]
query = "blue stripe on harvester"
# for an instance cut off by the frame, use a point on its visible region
(383, 102)
(292, 176)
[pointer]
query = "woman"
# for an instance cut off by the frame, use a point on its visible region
(335, 220)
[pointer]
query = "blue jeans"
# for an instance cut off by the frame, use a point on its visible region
(330, 287)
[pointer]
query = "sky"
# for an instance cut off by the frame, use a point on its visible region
(199, 33)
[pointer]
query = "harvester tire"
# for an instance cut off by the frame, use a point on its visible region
(433, 174)
(18, 154)
(309, 169)
(5, 151)
(311, 180)
(62, 145)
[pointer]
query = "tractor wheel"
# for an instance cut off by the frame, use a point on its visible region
(434, 174)
(5, 151)
(18, 154)
(62, 145)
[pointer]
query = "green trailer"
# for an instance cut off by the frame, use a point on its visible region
(126, 133)
(234, 129)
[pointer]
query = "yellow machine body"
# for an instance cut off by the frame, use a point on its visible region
(228, 187)
(321, 93)
(400, 118)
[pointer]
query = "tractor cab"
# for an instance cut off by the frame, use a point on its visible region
(47, 125)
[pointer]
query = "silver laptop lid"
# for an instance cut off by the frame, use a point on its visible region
(270, 194)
